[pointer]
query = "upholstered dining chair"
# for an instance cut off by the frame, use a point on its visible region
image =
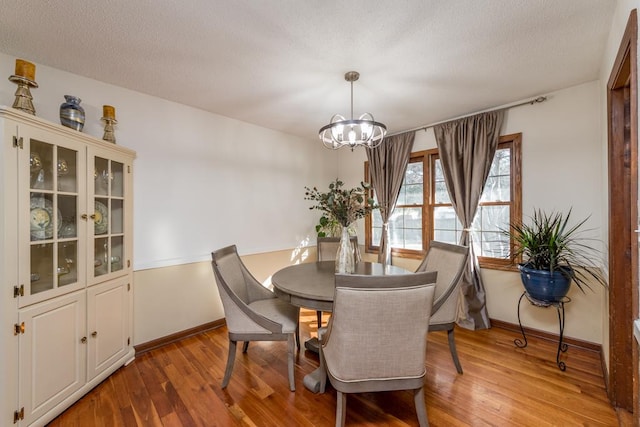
(252, 312)
(449, 261)
(327, 251)
(328, 248)
(376, 339)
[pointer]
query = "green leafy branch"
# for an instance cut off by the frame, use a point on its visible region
(341, 205)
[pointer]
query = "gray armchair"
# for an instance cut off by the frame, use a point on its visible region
(328, 247)
(252, 312)
(376, 338)
(327, 251)
(449, 261)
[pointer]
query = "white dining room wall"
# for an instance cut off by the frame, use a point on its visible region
(201, 181)
(561, 170)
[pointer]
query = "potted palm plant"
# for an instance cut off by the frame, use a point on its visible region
(554, 255)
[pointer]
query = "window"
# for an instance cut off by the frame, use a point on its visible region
(406, 222)
(424, 211)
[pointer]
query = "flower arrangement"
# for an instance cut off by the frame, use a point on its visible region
(340, 205)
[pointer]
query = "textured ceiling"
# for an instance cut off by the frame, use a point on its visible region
(281, 63)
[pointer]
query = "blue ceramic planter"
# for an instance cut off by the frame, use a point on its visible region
(544, 285)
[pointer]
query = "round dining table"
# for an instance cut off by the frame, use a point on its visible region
(312, 285)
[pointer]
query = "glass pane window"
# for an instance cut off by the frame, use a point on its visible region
(493, 213)
(498, 185)
(53, 214)
(446, 226)
(109, 216)
(42, 274)
(68, 257)
(41, 161)
(487, 236)
(405, 227)
(376, 225)
(424, 211)
(441, 195)
(405, 224)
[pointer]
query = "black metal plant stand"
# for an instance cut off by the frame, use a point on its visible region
(559, 305)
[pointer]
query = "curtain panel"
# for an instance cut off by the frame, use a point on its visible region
(387, 166)
(466, 147)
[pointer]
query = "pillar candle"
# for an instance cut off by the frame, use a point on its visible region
(25, 69)
(108, 112)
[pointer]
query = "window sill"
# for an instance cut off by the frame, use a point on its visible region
(498, 264)
(501, 267)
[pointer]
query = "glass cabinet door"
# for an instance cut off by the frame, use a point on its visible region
(109, 180)
(54, 201)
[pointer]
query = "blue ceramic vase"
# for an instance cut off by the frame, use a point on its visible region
(71, 113)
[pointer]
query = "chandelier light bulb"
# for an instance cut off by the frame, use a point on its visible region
(337, 132)
(366, 130)
(352, 136)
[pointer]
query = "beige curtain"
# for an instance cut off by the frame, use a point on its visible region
(466, 149)
(387, 166)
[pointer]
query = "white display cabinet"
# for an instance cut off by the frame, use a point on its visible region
(66, 262)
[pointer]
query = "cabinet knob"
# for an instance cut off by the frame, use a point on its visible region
(83, 340)
(84, 216)
(94, 334)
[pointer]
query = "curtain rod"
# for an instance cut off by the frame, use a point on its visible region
(530, 102)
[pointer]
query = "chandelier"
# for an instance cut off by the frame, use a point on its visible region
(361, 132)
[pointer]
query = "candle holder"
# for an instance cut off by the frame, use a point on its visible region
(108, 129)
(23, 99)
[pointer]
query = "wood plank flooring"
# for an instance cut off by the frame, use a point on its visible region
(179, 385)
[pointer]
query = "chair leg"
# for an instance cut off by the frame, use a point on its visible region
(421, 409)
(322, 370)
(230, 359)
(452, 349)
(319, 314)
(245, 346)
(290, 351)
(298, 339)
(341, 408)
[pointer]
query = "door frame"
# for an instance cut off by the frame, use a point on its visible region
(622, 123)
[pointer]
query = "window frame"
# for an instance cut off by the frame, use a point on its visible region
(514, 142)
(418, 156)
(428, 158)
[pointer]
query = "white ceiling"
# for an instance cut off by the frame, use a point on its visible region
(281, 63)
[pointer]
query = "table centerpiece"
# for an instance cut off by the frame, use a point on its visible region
(344, 207)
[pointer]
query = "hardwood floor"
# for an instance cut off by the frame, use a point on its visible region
(179, 385)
